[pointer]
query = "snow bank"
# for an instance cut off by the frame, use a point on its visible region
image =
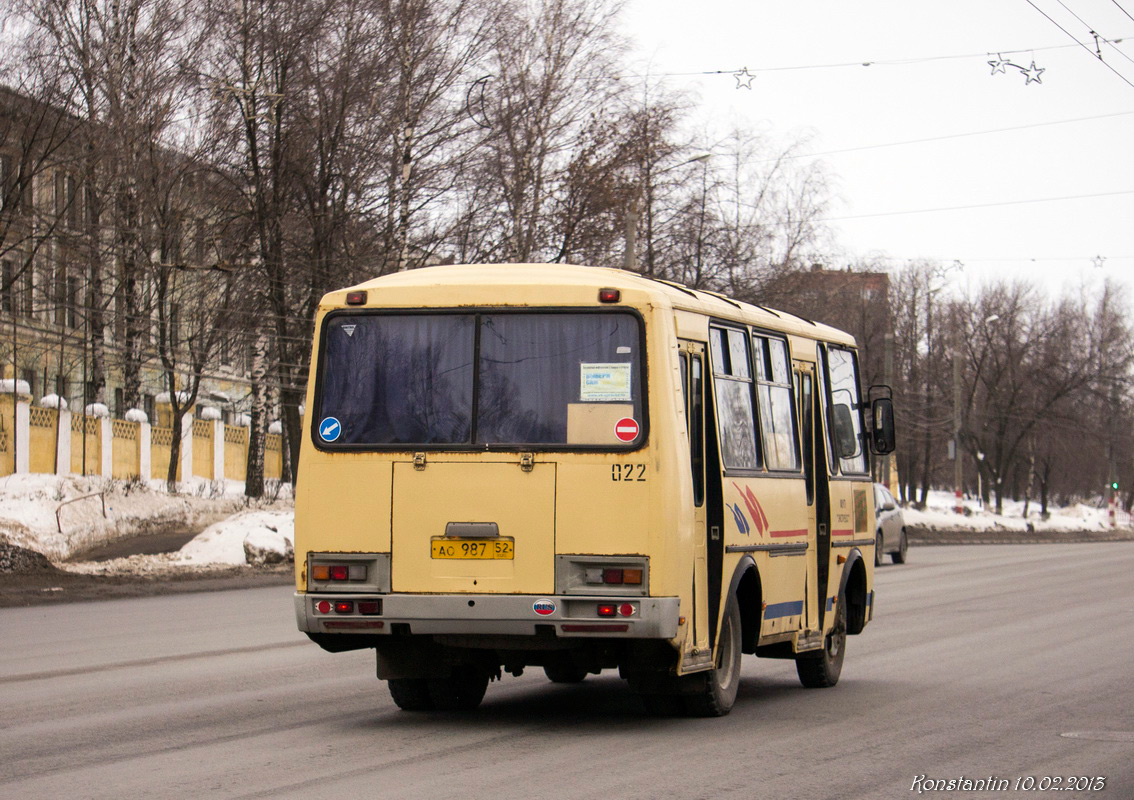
(60, 516)
(250, 537)
(939, 514)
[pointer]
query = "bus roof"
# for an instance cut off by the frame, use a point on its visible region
(665, 292)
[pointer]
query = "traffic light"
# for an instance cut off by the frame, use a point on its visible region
(1114, 485)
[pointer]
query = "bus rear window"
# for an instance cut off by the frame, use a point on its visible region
(488, 379)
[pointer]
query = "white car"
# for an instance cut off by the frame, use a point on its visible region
(891, 534)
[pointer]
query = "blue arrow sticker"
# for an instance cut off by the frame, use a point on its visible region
(329, 429)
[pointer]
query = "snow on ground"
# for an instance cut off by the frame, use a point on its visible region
(64, 516)
(249, 537)
(939, 514)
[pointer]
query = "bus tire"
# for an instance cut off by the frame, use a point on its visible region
(716, 690)
(564, 673)
(818, 671)
(410, 694)
(463, 691)
(899, 555)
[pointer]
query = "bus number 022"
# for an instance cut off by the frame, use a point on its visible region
(628, 472)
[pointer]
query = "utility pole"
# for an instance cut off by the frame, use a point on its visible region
(888, 379)
(958, 466)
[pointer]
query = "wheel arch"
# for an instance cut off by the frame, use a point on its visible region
(750, 599)
(852, 591)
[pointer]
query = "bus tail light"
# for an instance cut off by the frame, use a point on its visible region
(338, 572)
(609, 295)
(356, 298)
(587, 574)
(607, 610)
(612, 576)
(344, 606)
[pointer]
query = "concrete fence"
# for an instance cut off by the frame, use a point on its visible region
(54, 441)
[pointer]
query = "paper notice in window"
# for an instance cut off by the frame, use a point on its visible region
(605, 383)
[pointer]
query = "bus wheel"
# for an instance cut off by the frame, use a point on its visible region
(411, 694)
(564, 673)
(716, 689)
(817, 671)
(900, 556)
(461, 692)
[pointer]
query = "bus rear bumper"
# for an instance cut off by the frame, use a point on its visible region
(509, 615)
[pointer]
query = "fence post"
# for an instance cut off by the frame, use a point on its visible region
(145, 462)
(63, 443)
(218, 449)
(106, 430)
(186, 448)
(22, 437)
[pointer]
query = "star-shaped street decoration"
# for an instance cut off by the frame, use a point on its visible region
(1031, 73)
(1098, 261)
(744, 78)
(999, 64)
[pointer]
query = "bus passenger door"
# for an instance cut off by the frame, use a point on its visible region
(818, 493)
(693, 391)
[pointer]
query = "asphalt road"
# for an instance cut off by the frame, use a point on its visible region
(979, 662)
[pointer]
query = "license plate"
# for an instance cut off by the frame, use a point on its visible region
(472, 548)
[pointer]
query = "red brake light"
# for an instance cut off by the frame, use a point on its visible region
(339, 572)
(609, 295)
(356, 298)
(344, 606)
(607, 610)
(612, 575)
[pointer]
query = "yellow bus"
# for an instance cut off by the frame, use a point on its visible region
(579, 469)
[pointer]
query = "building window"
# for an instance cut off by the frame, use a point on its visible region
(7, 288)
(119, 403)
(199, 243)
(73, 302)
(8, 195)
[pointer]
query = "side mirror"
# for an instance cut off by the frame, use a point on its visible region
(845, 439)
(882, 437)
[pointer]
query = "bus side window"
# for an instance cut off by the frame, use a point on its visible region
(732, 391)
(845, 418)
(774, 400)
(806, 399)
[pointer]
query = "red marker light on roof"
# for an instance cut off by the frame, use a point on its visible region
(356, 298)
(609, 295)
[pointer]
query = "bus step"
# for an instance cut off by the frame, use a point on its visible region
(808, 641)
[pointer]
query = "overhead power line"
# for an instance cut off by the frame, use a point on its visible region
(1081, 44)
(946, 136)
(980, 205)
(1120, 8)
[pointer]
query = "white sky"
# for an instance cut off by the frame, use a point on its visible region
(840, 108)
